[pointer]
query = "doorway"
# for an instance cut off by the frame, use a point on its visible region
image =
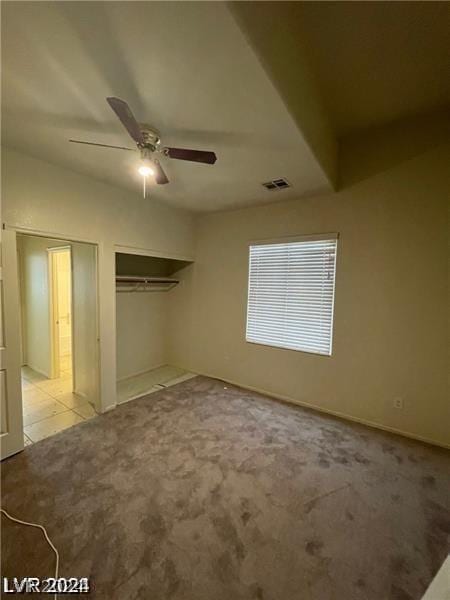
(60, 279)
(58, 300)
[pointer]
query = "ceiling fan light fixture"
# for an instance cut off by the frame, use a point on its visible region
(145, 170)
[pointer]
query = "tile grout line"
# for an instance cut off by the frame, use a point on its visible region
(35, 387)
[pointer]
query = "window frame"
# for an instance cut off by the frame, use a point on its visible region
(286, 240)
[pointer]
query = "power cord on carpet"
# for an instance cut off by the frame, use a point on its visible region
(42, 528)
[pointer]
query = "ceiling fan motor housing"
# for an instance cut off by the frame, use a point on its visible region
(151, 139)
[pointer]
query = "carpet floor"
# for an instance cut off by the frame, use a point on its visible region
(205, 491)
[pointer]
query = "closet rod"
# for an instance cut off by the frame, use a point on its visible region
(138, 279)
(144, 284)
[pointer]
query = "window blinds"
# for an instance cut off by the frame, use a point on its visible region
(291, 294)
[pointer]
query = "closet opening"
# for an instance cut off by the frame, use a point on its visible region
(59, 339)
(143, 287)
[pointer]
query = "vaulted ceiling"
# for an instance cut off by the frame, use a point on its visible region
(377, 62)
(268, 86)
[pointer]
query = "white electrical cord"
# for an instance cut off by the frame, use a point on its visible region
(42, 528)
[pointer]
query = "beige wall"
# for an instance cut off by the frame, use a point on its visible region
(35, 297)
(391, 305)
(39, 196)
(141, 332)
(35, 301)
(42, 196)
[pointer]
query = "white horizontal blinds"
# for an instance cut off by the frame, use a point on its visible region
(291, 294)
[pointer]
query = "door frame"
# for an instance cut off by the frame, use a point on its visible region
(67, 239)
(55, 370)
(11, 440)
(98, 395)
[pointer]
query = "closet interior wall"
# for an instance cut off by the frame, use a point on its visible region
(142, 320)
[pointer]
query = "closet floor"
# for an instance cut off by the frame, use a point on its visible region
(150, 381)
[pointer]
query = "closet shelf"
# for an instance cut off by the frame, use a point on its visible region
(134, 283)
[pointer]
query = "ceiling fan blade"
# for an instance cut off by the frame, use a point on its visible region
(202, 156)
(102, 145)
(160, 176)
(123, 111)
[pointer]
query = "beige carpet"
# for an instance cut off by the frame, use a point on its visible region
(203, 493)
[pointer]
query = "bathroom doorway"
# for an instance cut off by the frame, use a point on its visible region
(61, 311)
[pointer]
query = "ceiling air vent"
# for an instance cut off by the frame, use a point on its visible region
(277, 184)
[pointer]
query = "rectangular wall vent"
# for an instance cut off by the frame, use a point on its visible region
(277, 184)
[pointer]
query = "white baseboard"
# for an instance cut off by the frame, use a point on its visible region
(313, 407)
(333, 413)
(37, 370)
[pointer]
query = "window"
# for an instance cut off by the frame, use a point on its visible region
(291, 293)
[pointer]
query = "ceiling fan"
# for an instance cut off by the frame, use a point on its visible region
(148, 144)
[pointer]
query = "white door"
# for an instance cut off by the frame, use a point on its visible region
(85, 327)
(11, 432)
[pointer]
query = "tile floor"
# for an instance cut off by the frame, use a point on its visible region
(49, 406)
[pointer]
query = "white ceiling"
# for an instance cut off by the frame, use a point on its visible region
(184, 67)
